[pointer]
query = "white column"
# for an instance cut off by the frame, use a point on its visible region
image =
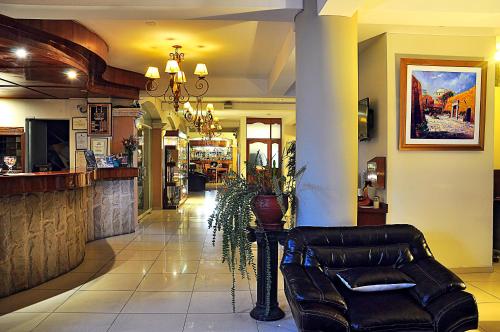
(327, 105)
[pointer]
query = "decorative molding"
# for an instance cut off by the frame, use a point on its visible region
(132, 112)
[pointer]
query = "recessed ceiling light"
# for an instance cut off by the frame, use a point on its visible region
(21, 53)
(150, 23)
(71, 74)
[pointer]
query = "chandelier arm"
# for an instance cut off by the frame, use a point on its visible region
(201, 85)
(152, 86)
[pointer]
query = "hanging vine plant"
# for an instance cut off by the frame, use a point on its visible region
(234, 213)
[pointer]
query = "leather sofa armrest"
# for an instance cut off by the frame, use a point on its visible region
(432, 280)
(309, 284)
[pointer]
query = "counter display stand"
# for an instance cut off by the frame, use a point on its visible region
(176, 169)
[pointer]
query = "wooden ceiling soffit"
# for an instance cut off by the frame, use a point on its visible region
(66, 44)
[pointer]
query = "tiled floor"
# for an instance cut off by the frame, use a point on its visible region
(168, 277)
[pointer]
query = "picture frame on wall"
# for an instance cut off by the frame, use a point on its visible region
(80, 161)
(442, 104)
(99, 146)
(79, 123)
(100, 119)
(81, 141)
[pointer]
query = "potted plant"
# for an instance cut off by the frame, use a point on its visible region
(130, 144)
(265, 194)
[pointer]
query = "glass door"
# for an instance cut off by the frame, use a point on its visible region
(264, 142)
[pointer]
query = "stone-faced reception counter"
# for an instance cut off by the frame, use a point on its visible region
(46, 218)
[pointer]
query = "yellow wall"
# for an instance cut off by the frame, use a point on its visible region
(497, 129)
(14, 112)
(446, 194)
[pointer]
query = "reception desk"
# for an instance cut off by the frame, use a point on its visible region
(46, 218)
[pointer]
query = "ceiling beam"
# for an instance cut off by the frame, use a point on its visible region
(339, 7)
(282, 75)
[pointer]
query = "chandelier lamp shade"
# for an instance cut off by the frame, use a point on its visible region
(176, 93)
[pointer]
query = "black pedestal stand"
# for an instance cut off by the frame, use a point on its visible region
(273, 237)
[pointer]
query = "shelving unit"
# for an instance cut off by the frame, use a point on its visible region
(176, 169)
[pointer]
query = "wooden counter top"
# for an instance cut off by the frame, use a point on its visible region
(61, 180)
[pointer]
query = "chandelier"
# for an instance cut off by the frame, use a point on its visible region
(176, 93)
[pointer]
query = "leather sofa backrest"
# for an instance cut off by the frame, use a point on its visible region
(368, 245)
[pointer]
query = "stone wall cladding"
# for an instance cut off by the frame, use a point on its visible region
(43, 235)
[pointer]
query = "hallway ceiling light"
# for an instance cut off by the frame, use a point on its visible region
(176, 93)
(72, 74)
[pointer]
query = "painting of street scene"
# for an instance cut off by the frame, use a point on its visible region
(443, 104)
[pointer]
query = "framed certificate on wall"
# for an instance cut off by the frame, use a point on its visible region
(99, 146)
(79, 123)
(100, 119)
(81, 141)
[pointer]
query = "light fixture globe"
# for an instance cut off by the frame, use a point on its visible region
(172, 67)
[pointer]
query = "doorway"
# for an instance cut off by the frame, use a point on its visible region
(48, 145)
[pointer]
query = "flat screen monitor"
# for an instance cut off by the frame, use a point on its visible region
(363, 119)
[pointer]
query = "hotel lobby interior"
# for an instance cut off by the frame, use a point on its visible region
(250, 165)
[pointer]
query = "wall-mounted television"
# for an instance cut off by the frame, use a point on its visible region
(365, 120)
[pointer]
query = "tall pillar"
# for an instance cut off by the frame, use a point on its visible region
(327, 127)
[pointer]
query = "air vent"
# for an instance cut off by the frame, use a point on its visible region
(228, 105)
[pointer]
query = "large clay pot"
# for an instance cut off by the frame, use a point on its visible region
(268, 212)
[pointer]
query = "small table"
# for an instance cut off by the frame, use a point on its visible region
(273, 238)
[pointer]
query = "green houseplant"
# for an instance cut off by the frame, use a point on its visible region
(264, 193)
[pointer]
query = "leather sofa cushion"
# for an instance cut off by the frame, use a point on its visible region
(373, 279)
(344, 257)
(432, 280)
(311, 285)
(386, 311)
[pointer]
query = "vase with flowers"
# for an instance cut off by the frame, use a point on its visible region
(130, 144)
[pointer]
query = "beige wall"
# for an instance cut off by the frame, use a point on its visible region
(497, 129)
(14, 112)
(446, 194)
(372, 75)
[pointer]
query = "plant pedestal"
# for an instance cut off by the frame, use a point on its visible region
(273, 238)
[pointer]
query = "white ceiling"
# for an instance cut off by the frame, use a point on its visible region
(228, 48)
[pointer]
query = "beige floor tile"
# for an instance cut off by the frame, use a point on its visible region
(471, 277)
(136, 245)
(96, 302)
(282, 301)
(187, 254)
(76, 322)
(220, 323)
(491, 287)
(174, 266)
(184, 245)
(219, 282)
(480, 295)
(158, 302)
(168, 282)
(98, 254)
(34, 300)
(104, 244)
(220, 302)
(137, 255)
(90, 265)
(159, 238)
(149, 322)
(489, 317)
(287, 324)
(126, 267)
(21, 321)
(71, 280)
(187, 238)
(213, 266)
(114, 281)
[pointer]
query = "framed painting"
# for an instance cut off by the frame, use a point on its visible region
(100, 119)
(442, 104)
(79, 123)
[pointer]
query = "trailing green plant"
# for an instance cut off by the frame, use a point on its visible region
(233, 214)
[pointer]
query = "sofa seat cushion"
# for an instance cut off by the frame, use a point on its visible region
(372, 279)
(386, 311)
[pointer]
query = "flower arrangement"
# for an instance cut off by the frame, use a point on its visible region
(130, 143)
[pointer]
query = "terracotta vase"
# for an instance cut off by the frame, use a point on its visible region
(268, 212)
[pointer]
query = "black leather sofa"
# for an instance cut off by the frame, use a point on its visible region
(319, 301)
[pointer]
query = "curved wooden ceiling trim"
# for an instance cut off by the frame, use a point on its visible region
(56, 46)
